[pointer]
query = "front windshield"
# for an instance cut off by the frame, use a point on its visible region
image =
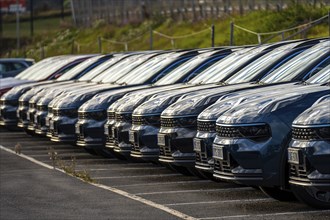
(78, 69)
(185, 68)
(114, 72)
(126, 67)
(26, 74)
(290, 70)
(224, 67)
(99, 69)
(321, 77)
(255, 68)
(148, 69)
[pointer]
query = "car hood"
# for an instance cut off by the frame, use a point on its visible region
(201, 100)
(159, 101)
(100, 101)
(231, 100)
(318, 114)
(11, 82)
(258, 110)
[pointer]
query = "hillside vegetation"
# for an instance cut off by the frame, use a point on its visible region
(54, 36)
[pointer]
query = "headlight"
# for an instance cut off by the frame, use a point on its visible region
(255, 132)
(13, 102)
(182, 122)
(124, 117)
(97, 115)
(42, 107)
(153, 120)
(324, 132)
(71, 113)
(23, 103)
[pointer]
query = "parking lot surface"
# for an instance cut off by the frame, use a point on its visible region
(121, 189)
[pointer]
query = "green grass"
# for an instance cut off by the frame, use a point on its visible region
(57, 36)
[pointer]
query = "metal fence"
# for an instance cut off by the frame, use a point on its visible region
(86, 12)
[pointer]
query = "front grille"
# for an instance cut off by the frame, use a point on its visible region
(123, 117)
(227, 131)
(304, 134)
(138, 120)
(168, 122)
(56, 112)
(165, 151)
(111, 115)
(32, 105)
(225, 165)
(208, 126)
(42, 107)
(201, 157)
(23, 104)
(81, 115)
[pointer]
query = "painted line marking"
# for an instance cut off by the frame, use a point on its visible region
(128, 168)
(219, 201)
(112, 189)
(267, 215)
(124, 177)
(196, 190)
(166, 183)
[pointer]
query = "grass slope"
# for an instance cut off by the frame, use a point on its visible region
(59, 37)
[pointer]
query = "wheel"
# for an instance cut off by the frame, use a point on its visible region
(312, 196)
(278, 194)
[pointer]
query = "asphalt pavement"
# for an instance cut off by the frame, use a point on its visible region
(31, 189)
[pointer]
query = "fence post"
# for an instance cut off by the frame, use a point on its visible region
(42, 52)
(212, 35)
(151, 38)
(99, 39)
(72, 47)
(232, 33)
(329, 22)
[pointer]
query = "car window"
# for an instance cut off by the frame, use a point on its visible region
(293, 68)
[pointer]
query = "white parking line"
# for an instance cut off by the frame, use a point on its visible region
(273, 215)
(195, 190)
(114, 190)
(219, 201)
(124, 177)
(164, 183)
(127, 168)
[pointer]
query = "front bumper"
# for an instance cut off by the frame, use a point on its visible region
(144, 141)
(8, 116)
(176, 146)
(90, 133)
(121, 135)
(309, 163)
(203, 150)
(40, 123)
(31, 115)
(246, 162)
(62, 129)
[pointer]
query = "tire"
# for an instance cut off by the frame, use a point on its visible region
(312, 196)
(278, 194)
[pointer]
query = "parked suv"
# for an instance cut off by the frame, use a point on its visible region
(252, 139)
(65, 111)
(53, 68)
(91, 131)
(309, 155)
(183, 113)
